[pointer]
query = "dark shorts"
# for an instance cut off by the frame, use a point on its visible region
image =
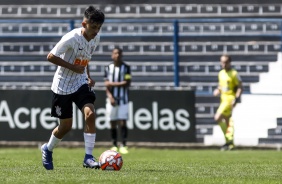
(62, 104)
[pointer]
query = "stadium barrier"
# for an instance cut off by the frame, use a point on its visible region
(154, 116)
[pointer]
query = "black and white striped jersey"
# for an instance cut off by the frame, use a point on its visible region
(75, 49)
(117, 74)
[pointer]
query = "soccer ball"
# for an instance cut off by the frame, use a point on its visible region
(110, 160)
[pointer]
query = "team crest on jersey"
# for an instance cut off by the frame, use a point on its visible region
(58, 110)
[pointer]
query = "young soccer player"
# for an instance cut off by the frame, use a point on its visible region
(117, 81)
(230, 90)
(72, 84)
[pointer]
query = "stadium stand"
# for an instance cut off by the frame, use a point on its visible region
(212, 29)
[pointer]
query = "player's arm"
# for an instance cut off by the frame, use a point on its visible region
(238, 93)
(109, 94)
(118, 84)
(126, 82)
(216, 91)
(91, 82)
(60, 62)
(239, 89)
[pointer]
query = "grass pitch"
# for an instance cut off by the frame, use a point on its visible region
(146, 166)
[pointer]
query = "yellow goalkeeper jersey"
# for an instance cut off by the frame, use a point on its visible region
(228, 83)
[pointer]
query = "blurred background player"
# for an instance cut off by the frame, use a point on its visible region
(230, 89)
(72, 83)
(117, 82)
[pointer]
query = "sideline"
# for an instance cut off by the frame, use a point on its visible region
(157, 145)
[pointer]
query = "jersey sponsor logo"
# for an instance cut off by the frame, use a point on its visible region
(83, 62)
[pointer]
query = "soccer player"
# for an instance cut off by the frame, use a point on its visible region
(230, 89)
(117, 81)
(72, 84)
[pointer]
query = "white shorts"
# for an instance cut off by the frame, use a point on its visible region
(118, 112)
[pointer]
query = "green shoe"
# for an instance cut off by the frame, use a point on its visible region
(123, 150)
(114, 148)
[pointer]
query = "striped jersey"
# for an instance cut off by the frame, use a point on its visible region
(118, 74)
(75, 49)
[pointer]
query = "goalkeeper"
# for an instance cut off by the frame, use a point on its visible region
(230, 89)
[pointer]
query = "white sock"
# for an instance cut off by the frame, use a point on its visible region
(53, 142)
(89, 141)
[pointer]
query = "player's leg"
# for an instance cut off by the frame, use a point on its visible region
(223, 117)
(220, 119)
(61, 108)
(84, 99)
(111, 115)
(124, 132)
(123, 116)
(114, 135)
(89, 136)
(230, 133)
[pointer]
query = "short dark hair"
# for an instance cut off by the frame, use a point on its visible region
(119, 50)
(94, 15)
(228, 57)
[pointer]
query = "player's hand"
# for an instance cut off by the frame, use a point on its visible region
(108, 84)
(235, 102)
(91, 82)
(78, 69)
(113, 102)
(216, 92)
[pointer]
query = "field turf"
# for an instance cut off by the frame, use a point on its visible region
(145, 166)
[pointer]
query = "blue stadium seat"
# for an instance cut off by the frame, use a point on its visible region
(254, 27)
(70, 11)
(190, 28)
(209, 9)
(241, 68)
(29, 10)
(10, 10)
(211, 28)
(109, 28)
(11, 48)
(259, 68)
(233, 28)
(30, 29)
(214, 48)
(250, 9)
(274, 47)
(256, 48)
(11, 29)
(131, 48)
(272, 26)
(235, 47)
(130, 29)
(151, 28)
(108, 9)
(148, 9)
(196, 69)
(31, 48)
(168, 9)
(46, 11)
(188, 9)
(152, 48)
(271, 9)
(128, 9)
(32, 68)
(230, 10)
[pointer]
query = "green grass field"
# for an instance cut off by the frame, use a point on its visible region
(146, 166)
